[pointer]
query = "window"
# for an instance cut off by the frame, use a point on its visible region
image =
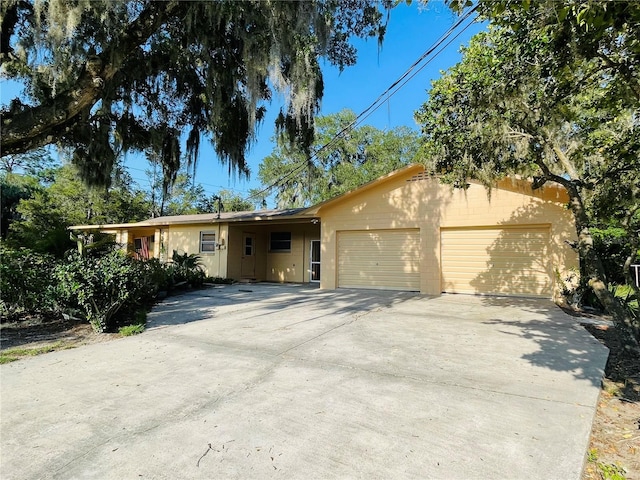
(207, 242)
(280, 242)
(248, 245)
(143, 246)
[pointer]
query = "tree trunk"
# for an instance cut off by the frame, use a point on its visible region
(631, 279)
(627, 326)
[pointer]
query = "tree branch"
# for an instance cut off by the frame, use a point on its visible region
(564, 160)
(625, 72)
(548, 175)
(30, 127)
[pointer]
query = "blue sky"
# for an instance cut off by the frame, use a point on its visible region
(411, 31)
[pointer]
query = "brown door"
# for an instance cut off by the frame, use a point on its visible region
(248, 267)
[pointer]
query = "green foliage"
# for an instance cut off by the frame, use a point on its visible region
(353, 158)
(187, 268)
(25, 281)
(185, 197)
(228, 201)
(133, 75)
(159, 274)
(182, 197)
(50, 208)
(613, 247)
(129, 330)
(108, 288)
(612, 471)
(100, 287)
(607, 471)
(628, 297)
(13, 189)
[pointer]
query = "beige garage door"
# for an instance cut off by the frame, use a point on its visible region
(501, 261)
(385, 259)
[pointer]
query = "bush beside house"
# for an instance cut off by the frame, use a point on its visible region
(109, 289)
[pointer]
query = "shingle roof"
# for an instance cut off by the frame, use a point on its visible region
(223, 217)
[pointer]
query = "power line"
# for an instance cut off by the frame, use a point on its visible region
(200, 183)
(386, 95)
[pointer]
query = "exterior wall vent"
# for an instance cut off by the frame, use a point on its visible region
(419, 177)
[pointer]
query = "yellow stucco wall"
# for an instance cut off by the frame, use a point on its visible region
(290, 266)
(186, 239)
(411, 200)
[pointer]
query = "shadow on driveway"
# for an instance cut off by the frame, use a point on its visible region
(260, 299)
(563, 344)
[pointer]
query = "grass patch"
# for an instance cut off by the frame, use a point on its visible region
(612, 471)
(13, 354)
(129, 330)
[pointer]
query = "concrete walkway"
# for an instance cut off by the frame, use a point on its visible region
(265, 381)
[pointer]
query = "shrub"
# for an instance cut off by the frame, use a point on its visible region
(160, 275)
(628, 297)
(613, 247)
(108, 288)
(187, 268)
(26, 283)
(102, 286)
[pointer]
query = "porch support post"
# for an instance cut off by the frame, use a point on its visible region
(123, 239)
(157, 240)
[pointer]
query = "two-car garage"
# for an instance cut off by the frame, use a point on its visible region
(475, 260)
(409, 232)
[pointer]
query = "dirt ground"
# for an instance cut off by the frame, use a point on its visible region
(37, 332)
(614, 450)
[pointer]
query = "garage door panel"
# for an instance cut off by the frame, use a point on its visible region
(386, 259)
(505, 261)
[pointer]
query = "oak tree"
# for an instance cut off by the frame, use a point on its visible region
(102, 77)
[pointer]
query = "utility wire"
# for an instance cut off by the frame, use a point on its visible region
(199, 182)
(386, 95)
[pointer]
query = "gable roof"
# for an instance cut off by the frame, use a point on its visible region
(552, 192)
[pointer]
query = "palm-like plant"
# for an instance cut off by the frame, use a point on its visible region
(188, 268)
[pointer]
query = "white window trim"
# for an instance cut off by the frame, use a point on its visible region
(208, 242)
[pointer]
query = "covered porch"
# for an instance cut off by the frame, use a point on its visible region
(276, 252)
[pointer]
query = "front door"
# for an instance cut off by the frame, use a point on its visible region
(248, 267)
(315, 261)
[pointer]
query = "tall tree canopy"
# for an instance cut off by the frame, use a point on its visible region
(106, 76)
(54, 203)
(550, 92)
(345, 158)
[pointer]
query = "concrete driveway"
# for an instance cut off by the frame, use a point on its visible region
(266, 381)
